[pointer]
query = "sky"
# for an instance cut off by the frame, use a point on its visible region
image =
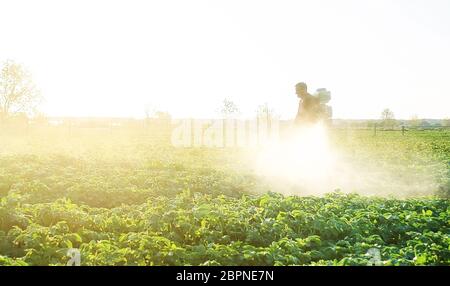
(120, 58)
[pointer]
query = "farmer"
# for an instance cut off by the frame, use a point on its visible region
(309, 108)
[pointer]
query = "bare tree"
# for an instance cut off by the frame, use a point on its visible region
(229, 108)
(264, 110)
(17, 90)
(388, 118)
(387, 114)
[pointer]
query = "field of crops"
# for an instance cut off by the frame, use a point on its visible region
(124, 200)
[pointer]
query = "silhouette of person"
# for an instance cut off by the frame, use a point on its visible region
(309, 105)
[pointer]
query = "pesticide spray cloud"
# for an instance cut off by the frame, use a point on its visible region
(304, 159)
(308, 163)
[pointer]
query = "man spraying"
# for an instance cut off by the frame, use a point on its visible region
(312, 108)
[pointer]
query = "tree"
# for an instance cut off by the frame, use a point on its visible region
(446, 122)
(424, 123)
(387, 114)
(264, 110)
(388, 118)
(17, 90)
(229, 108)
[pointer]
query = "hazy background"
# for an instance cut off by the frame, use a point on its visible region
(112, 58)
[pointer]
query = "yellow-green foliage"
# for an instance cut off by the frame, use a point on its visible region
(123, 199)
